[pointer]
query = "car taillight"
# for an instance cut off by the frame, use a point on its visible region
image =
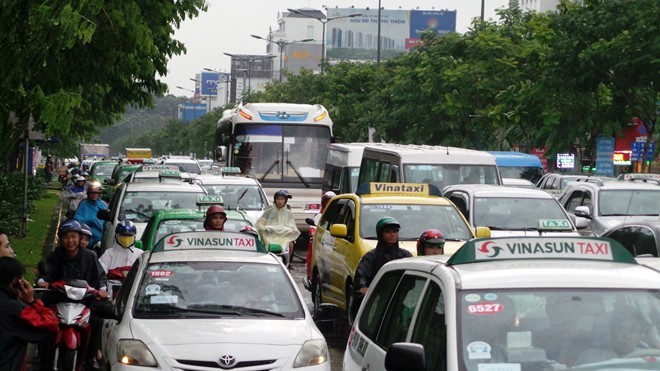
(311, 206)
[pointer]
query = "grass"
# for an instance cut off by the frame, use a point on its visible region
(30, 248)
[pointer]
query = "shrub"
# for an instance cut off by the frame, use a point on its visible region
(11, 199)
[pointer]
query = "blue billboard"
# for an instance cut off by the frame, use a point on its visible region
(191, 111)
(209, 83)
(441, 21)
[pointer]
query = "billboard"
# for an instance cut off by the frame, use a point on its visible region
(209, 82)
(191, 111)
(356, 38)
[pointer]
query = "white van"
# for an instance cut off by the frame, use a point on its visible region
(343, 167)
(440, 166)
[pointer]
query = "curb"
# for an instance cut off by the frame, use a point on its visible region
(51, 238)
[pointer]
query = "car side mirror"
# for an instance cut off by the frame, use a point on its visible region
(104, 309)
(338, 230)
(482, 232)
(104, 215)
(405, 356)
(581, 223)
(109, 181)
(583, 212)
(275, 248)
(139, 245)
(310, 222)
(327, 312)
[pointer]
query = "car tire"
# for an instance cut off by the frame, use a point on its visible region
(317, 297)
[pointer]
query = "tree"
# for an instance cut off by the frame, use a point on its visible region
(76, 65)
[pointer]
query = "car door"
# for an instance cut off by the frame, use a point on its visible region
(346, 254)
(462, 202)
(324, 246)
(637, 239)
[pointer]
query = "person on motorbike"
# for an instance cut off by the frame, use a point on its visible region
(387, 249)
(69, 261)
(327, 196)
(277, 224)
(431, 242)
(215, 218)
(23, 319)
(88, 209)
(79, 184)
(123, 253)
(85, 236)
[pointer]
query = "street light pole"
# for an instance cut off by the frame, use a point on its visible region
(226, 82)
(281, 44)
(378, 43)
(193, 101)
(323, 22)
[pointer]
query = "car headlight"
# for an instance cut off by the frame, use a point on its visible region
(135, 352)
(313, 352)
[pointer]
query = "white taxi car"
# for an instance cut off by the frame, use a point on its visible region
(208, 301)
(511, 304)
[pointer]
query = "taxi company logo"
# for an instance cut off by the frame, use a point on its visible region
(381, 187)
(173, 240)
(486, 249)
(227, 361)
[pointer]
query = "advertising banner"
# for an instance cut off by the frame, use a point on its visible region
(209, 82)
(604, 156)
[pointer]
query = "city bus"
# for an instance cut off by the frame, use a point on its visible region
(437, 165)
(519, 165)
(283, 146)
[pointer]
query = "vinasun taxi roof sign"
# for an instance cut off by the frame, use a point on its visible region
(210, 240)
(516, 248)
(398, 189)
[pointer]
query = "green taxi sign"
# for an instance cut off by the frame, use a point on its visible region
(555, 225)
(210, 240)
(231, 170)
(209, 200)
(517, 248)
(169, 174)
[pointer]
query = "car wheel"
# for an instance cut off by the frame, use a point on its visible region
(316, 292)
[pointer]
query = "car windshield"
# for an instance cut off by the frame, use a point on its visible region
(567, 179)
(559, 329)
(442, 175)
(215, 288)
(414, 220)
(249, 197)
(630, 202)
(103, 170)
(531, 173)
(140, 206)
(188, 167)
(514, 213)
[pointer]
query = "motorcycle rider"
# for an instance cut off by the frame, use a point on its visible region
(215, 218)
(387, 249)
(88, 209)
(85, 236)
(23, 318)
(123, 252)
(431, 242)
(277, 224)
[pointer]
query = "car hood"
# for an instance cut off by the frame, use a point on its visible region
(215, 331)
(450, 246)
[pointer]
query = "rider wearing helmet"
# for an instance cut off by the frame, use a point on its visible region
(215, 218)
(278, 225)
(85, 235)
(69, 261)
(431, 242)
(123, 253)
(88, 210)
(387, 249)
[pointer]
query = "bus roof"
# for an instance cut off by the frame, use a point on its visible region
(278, 113)
(423, 154)
(512, 158)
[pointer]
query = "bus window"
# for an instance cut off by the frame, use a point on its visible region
(368, 171)
(384, 172)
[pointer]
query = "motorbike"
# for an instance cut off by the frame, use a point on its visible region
(72, 300)
(116, 277)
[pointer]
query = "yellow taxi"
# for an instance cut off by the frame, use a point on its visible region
(347, 230)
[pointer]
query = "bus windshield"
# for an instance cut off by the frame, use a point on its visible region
(282, 153)
(442, 175)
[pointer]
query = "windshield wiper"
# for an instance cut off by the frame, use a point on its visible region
(297, 173)
(269, 170)
(238, 201)
(260, 311)
(214, 309)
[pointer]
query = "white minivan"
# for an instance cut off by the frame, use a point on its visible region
(343, 167)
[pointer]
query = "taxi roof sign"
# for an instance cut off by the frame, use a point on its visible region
(517, 248)
(169, 174)
(210, 240)
(209, 200)
(398, 189)
(554, 225)
(158, 167)
(227, 170)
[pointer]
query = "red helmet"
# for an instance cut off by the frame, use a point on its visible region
(214, 209)
(327, 196)
(430, 237)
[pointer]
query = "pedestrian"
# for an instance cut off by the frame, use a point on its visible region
(23, 319)
(5, 247)
(215, 218)
(431, 242)
(386, 250)
(49, 170)
(87, 212)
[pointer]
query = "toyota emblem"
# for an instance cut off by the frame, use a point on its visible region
(227, 361)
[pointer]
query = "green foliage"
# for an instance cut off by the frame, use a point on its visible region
(11, 199)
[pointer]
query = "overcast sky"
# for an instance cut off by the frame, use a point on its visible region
(227, 25)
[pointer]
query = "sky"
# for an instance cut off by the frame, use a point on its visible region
(227, 25)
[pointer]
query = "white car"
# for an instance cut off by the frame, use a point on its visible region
(138, 202)
(511, 303)
(510, 211)
(238, 193)
(211, 300)
(187, 164)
